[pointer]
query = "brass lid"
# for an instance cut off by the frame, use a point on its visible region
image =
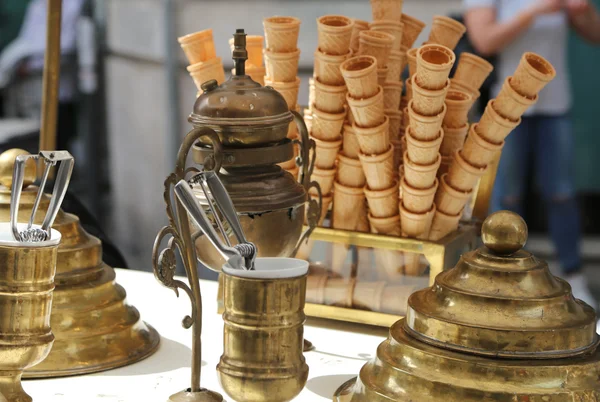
(243, 112)
(501, 301)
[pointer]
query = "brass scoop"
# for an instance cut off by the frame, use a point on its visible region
(50, 158)
(241, 255)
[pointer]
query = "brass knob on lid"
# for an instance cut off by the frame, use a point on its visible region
(7, 162)
(504, 233)
(209, 85)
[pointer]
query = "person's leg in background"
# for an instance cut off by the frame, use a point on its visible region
(555, 177)
(511, 178)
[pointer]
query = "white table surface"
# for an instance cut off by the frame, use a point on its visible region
(341, 350)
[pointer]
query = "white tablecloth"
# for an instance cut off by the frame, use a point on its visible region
(341, 350)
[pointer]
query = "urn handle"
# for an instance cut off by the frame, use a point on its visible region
(307, 165)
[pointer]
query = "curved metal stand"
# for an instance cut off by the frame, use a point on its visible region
(165, 261)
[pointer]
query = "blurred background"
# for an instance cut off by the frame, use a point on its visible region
(125, 97)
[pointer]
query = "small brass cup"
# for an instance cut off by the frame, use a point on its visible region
(26, 285)
(264, 331)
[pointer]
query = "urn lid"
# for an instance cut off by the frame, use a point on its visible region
(240, 103)
(501, 301)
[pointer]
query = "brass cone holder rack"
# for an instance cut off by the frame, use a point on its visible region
(497, 327)
(95, 328)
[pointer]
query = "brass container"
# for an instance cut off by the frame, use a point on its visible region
(263, 335)
(26, 284)
(95, 328)
(497, 327)
(252, 123)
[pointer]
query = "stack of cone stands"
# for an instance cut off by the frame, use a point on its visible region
(390, 10)
(204, 65)
(446, 31)
(486, 138)
(281, 57)
(424, 136)
(254, 64)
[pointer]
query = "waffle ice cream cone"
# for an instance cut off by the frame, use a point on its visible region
(415, 225)
(330, 98)
(411, 55)
(446, 31)
(367, 112)
(373, 140)
(405, 119)
(334, 33)
(461, 86)
(386, 9)
(395, 63)
(443, 224)
(281, 33)
(198, 46)
(445, 165)
(350, 172)
(325, 179)
(493, 127)
(359, 25)
(392, 27)
(350, 146)
(477, 150)
(395, 118)
(392, 93)
(327, 126)
(326, 152)
(425, 128)
(254, 46)
(360, 75)
(257, 73)
(282, 67)
(472, 70)
(383, 203)
(397, 144)
(403, 144)
(379, 169)
(454, 139)
(450, 200)
(382, 74)
(418, 200)
(423, 152)
(377, 44)
(510, 104)
(388, 226)
(420, 176)
(347, 202)
(428, 102)
(434, 63)
(458, 104)
(412, 30)
(327, 67)
(308, 119)
(462, 175)
(207, 70)
(289, 90)
(532, 75)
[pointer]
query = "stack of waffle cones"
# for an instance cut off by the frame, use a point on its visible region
(199, 48)
(281, 68)
(486, 138)
(254, 64)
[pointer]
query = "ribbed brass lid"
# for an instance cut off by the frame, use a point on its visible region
(502, 301)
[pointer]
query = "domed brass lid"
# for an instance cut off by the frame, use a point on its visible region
(243, 112)
(502, 301)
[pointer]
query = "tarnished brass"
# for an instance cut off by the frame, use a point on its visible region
(252, 124)
(262, 358)
(94, 326)
(497, 327)
(165, 262)
(27, 272)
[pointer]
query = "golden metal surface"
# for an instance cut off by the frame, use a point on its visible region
(95, 328)
(165, 261)
(51, 76)
(26, 285)
(262, 359)
(484, 189)
(497, 327)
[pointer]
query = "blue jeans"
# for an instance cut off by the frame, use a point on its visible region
(548, 142)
